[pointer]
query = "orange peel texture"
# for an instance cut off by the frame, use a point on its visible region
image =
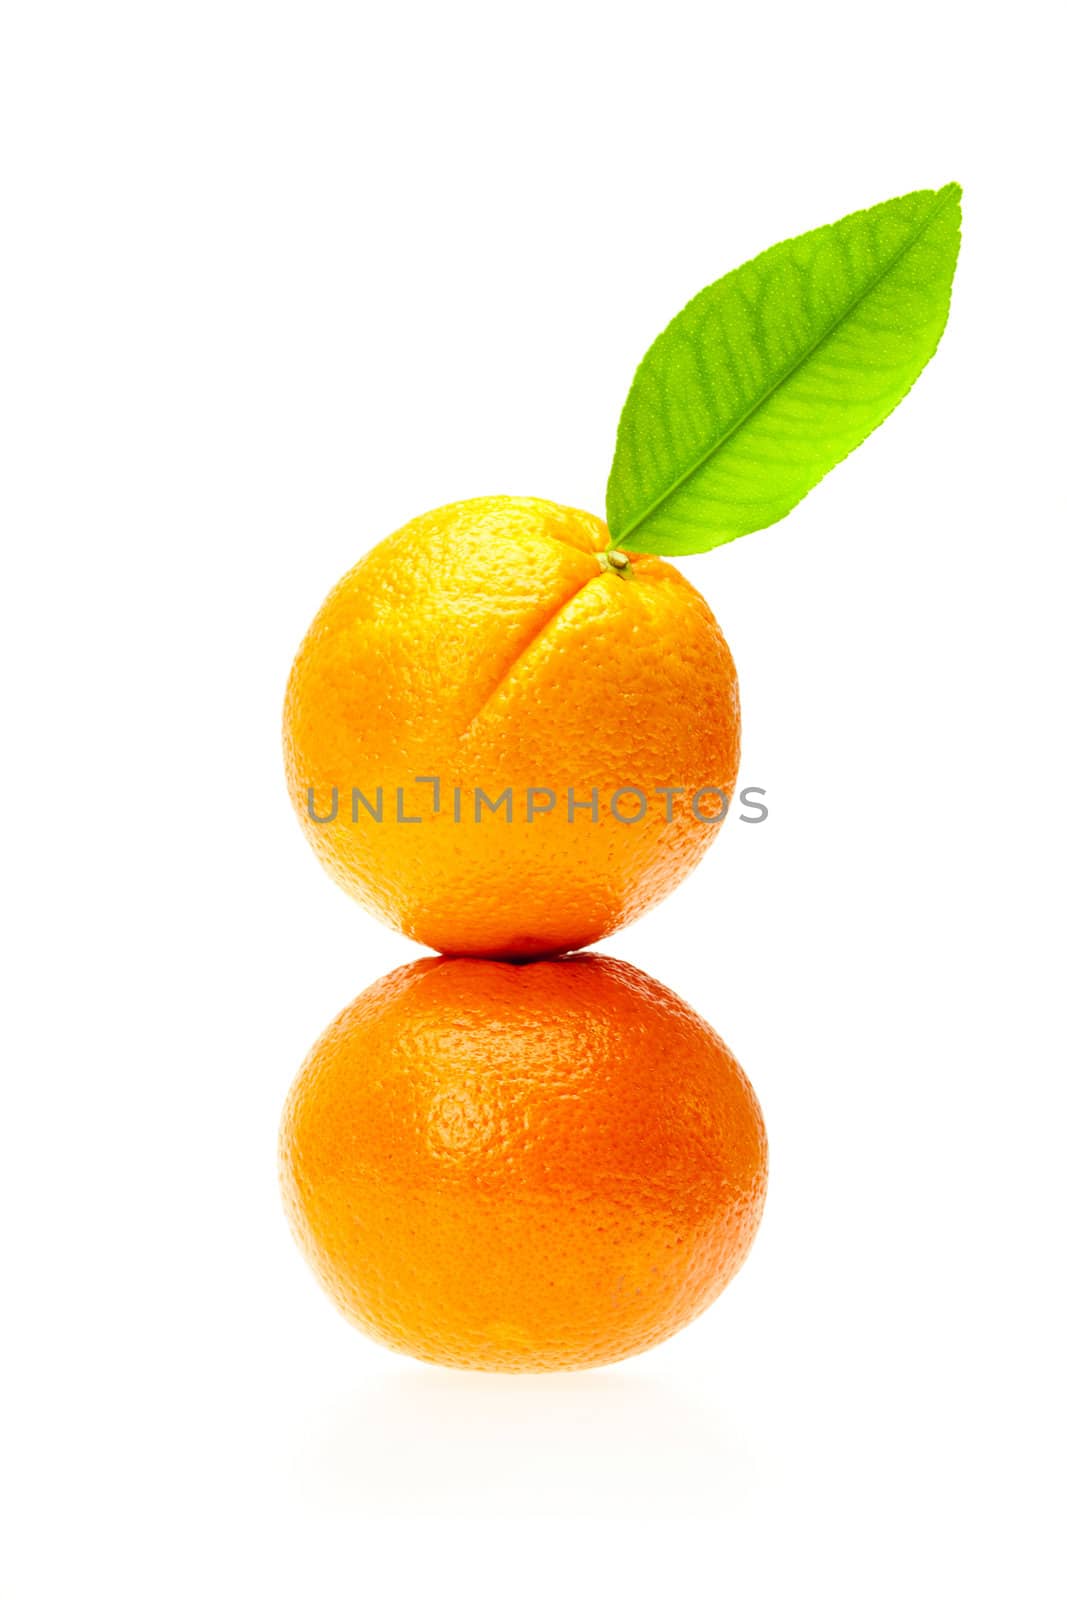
(522, 1167)
(487, 645)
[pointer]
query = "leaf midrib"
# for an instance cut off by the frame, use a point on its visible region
(941, 199)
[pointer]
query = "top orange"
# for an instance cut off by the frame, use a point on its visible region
(563, 721)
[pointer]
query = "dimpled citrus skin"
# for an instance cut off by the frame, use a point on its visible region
(522, 1167)
(486, 646)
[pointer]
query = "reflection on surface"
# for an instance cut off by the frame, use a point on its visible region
(612, 1443)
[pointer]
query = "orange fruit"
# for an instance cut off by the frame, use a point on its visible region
(490, 649)
(521, 1167)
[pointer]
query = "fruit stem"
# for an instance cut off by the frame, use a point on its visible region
(616, 561)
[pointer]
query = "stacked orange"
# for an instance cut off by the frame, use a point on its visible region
(507, 736)
(529, 1160)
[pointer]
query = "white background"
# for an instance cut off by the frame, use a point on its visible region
(275, 279)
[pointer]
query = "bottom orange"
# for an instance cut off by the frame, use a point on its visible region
(522, 1168)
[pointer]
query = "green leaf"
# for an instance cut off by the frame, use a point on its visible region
(769, 377)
